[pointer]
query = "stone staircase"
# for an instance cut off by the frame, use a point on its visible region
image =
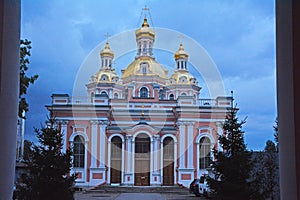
(138, 189)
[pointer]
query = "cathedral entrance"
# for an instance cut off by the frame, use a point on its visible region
(142, 160)
(168, 161)
(116, 160)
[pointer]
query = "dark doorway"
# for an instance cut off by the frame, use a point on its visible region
(116, 160)
(142, 160)
(168, 161)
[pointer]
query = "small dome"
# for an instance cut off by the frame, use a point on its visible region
(145, 31)
(181, 53)
(105, 75)
(106, 51)
(183, 77)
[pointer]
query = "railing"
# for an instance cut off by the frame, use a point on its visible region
(83, 100)
(208, 102)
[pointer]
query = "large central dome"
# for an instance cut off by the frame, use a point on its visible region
(145, 66)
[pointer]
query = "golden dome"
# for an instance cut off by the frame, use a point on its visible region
(106, 51)
(152, 68)
(182, 77)
(106, 76)
(145, 31)
(181, 53)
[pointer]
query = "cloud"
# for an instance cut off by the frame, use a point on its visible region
(238, 35)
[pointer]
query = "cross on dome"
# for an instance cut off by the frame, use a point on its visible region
(107, 36)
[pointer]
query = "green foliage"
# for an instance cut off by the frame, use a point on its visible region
(25, 80)
(266, 174)
(233, 164)
(49, 168)
(27, 150)
(275, 127)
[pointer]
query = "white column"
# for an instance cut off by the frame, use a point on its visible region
(103, 125)
(181, 144)
(129, 152)
(94, 140)
(9, 90)
(64, 129)
(190, 144)
(156, 140)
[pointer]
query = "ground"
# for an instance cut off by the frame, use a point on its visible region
(133, 196)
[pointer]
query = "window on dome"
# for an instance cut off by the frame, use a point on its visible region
(144, 47)
(144, 67)
(104, 77)
(171, 97)
(150, 49)
(144, 92)
(79, 152)
(204, 159)
(139, 50)
(172, 81)
(183, 79)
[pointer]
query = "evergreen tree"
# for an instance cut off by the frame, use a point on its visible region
(49, 168)
(275, 127)
(233, 164)
(25, 81)
(266, 174)
(270, 168)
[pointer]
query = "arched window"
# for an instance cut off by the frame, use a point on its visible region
(161, 94)
(171, 97)
(183, 94)
(144, 92)
(116, 95)
(79, 152)
(92, 96)
(103, 93)
(116, 147)
(205, 151)
(104, 77)
(168, 145)
(144, 47)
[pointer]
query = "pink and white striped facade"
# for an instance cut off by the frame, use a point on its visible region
(143, 128)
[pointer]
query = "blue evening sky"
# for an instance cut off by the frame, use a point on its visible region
(238, 35)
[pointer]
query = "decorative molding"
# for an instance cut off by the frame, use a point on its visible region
(129, 137)
(188, 123)
(104, 123)
(63, 122)
(94, 122)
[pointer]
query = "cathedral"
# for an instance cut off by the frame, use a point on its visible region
(143, 127)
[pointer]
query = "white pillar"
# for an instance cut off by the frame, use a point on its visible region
(181, 144)
(94, 140)
(156, 139)
(190, 145)
(103, 125)
(129, 152)
(64, 129)
(9, 91)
